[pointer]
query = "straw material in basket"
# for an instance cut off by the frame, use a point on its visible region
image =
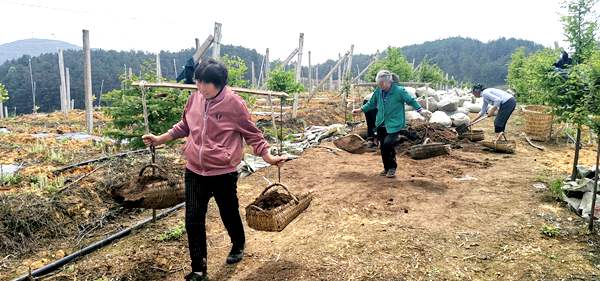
(352, 143)
(276, 219)
(473, 135)
(151, 192)
(538, 122)
(424, 151)
(501, 146)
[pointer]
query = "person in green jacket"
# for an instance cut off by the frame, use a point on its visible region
(389, 98)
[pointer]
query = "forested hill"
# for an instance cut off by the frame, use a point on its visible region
(465, 59)
(32, 47)
(469, 59)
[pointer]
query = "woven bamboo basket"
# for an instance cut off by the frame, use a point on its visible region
(276, 219)
(425, 151)
(473, 135)
(538, 122)
(352, 143)
(151, 191)
(503, 146)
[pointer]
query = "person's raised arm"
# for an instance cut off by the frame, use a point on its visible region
(370, 105)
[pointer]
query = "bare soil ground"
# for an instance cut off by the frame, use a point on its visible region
(424, 225)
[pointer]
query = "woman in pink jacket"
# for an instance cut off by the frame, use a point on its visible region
(216, 123)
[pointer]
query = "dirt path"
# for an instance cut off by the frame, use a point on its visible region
(424, 225)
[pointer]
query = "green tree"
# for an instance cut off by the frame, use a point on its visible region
(428, 72)
(3, 94)
(283, 81)
(527, 75)
(580, 28)
(395, 62)
(124, 106)
(236, 68)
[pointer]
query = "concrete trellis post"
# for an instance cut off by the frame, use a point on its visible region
(68, 89)
(252, 74)
(63, 91)
(298, 73)
(175, 68)
(339, 72)
(87, 81)
(34, 109)
(309, 73)
(216, 50)
(158, 72)
(267, 65)
(319, 84)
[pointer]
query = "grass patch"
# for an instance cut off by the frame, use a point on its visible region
(550, 230)
(37, 148)
(173, 234)
(56, 156)
(7, 180)
(42, 182)
(556, 189)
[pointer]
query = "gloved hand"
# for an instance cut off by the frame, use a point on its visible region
(425, 113)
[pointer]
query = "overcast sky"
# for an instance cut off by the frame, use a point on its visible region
(329, 26)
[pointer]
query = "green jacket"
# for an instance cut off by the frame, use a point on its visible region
(391, 112)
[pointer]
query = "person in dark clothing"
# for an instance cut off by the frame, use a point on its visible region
(370, 117)
(187, 74)
(216, 123)
(389, 98)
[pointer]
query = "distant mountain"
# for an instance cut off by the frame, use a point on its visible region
(466, 59)
(469, 59)
(32, 47)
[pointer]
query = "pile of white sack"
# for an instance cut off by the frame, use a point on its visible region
(448, 107)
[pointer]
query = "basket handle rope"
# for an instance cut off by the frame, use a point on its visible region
(280, 185)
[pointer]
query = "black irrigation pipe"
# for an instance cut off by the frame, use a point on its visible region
(94, 246)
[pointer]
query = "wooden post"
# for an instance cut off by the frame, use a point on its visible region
(158, 72)
(298, 73)
(216, 50)
(68, 88)
(175, 68)
(34, 110)
(253, 77)
(331, 83)
(309, 73)
(131, 74)
(87, 81)
(5, 111)
(1, 109)
(63, 91)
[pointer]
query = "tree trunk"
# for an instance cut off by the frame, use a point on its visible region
(576, 160)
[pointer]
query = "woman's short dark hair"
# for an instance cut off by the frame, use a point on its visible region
(211, 71)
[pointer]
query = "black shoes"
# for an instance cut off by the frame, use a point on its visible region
(391, 173)
(236, 255)
(196, 276)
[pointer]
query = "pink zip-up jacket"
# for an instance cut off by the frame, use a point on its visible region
(215, 129)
